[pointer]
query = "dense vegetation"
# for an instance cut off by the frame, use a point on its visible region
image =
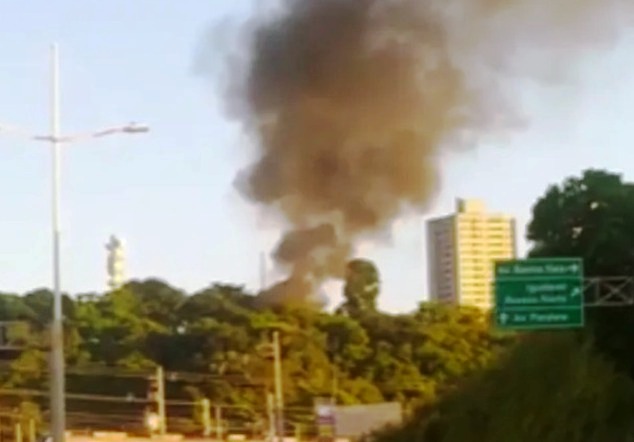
(560, 386)
(216, 344)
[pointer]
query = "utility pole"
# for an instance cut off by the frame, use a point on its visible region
(333, 347)
(279, 388)
(157, 422)
(205, 416)
(160, 400)
(298, 432)
(335, 382)
(270, 409)
(32, 431)
(218, 419)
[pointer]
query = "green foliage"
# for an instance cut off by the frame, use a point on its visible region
(550, 388)
(219, 334)
(591, 217)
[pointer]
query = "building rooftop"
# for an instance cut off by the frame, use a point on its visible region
(470, 206)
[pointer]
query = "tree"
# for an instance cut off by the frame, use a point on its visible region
(550, 388)
(158, 300)
(221, 300)
(218, 340)
(40, 302)
(592, 217)
(347, 342)
(362, 288)
(12, 308)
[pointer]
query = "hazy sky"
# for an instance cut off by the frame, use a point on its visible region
(169, 194)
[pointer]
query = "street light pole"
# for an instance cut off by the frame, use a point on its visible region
(57, 141)
(58, 406)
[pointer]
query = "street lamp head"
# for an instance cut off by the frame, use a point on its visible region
(135, 128)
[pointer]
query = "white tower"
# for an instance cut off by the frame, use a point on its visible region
(115, 263)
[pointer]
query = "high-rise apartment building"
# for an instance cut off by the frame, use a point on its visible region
(461, 251)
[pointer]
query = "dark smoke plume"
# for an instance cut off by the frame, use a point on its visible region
(351, 102)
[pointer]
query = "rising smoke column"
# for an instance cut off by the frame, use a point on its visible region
(351, 102)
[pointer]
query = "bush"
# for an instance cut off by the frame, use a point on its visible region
(549, 388)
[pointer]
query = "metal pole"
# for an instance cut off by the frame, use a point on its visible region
(218, 419)
(58, 424)
(270, 408)
(335, 382)
(18, 432)
(160, 400)
(205, 405)
(263, 271)
(32, 431)
(333, 346)
(298, 432)
(279, 392)
(56, 353)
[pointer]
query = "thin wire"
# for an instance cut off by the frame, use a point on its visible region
(76, 396)
(170, 376)
(125, 399)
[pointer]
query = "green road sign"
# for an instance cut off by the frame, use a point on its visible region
(538, 294)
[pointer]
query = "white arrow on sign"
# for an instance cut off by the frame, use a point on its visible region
(574, 268)
(575, 292)
(503, 318)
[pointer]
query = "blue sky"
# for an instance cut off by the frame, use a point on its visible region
(170, 194)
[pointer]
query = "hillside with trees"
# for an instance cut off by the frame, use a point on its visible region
(215, 344)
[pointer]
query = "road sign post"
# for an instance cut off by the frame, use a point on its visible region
(325, 416)
(539, 294)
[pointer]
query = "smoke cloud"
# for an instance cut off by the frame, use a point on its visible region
(351, 102)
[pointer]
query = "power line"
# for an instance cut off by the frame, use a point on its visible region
(125, 399)
(76, 396)
(170, 376)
